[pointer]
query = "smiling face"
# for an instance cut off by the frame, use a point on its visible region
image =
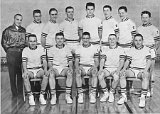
(90, 10)
(85, 40)
(112, 39)
(122, 14)
(37, 17)
(59, 40)
(138, 41)
(107, 12)
(70, 13)
(32, 42)
(18, 20)
(53, 15)
(145, 18)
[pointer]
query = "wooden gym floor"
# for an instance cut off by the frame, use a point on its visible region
(11, 105)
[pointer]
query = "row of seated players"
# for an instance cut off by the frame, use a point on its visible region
(113, 61)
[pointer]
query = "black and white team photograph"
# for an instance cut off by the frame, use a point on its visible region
(80, 57)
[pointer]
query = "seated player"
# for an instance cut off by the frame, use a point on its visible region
(60, 63)
(111, 63)
(33, 57)
(139, 58)
(86, 63)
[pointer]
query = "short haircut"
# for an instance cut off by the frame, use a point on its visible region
(107, 6)
(123, 7)
(59, 34)
(146, 12)
(113, 35)
(32, 35)
(52, 9)
(17, 15)
(36, 11)
(90, 4)
(69, 7)
(86, 33)
(140, 35)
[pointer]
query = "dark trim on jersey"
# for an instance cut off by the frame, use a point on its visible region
(38, 67)
(60, 48)
(44, 35)
(32, 48)
(52, 21)
(125, 19)
(37, 22)
(66, 19)
(146, 25)
(139, 48)
(107, 18)
(24, 59)
(87, 45)
(157, 38)
(90, 17)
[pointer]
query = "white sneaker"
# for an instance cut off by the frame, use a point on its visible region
(142, 102)
(80, 98)
(111, 97)
(31, 100)
(68, 99)
(53, 100)
(148, 94)
(42, 100)
(105, 96)
(92, 97)
(122, 100)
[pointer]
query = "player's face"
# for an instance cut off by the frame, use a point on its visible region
(86, 39)
(90, 10)
(53, 15)
(138, 41)
(32, 42)
(18, 20)
(37, 17)
(112, 40)
(145, 18)
(70, 13)
(59, 40)
(107, 12)
(122, 13)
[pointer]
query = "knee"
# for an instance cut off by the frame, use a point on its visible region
(51, 75)
(69, 74)
(78, 74)
(145, 76)
(116, 77)
(101, 76)
(94, 72)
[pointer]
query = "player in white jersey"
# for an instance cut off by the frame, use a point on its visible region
(151, 39)
(109, 24)
(50, 29)
(111, 63)
(86, 63)
(139, 58)
(70, 29)
(127, 28)
(33, 57)
(36, 26)
(91, 24)
(60, 64)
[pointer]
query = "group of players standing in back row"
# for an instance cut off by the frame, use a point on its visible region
(100, 49)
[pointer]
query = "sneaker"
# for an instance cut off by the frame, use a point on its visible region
(53, 100)
(104, 97)
(148, 94)
(122, 100)
(80, 98)
(31, 100)
(68, 99)
(42, 100)
(111, 97)
(92, 97)
(142, 102)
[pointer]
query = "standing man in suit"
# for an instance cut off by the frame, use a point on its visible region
(13, 41)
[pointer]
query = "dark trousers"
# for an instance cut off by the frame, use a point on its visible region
(14, 61)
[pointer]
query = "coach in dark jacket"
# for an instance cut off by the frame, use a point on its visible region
(13, 42)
